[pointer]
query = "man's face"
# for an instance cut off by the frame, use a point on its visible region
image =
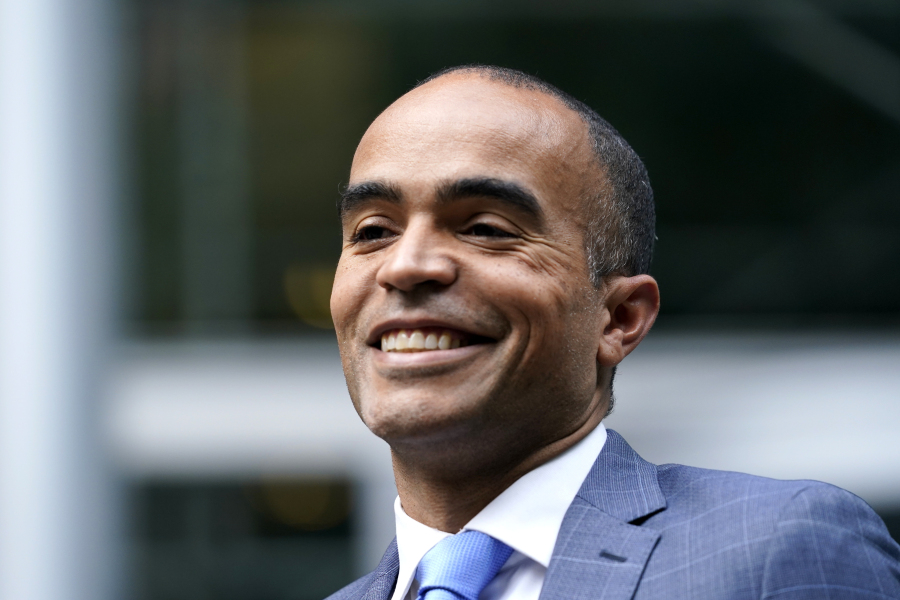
(463, 241)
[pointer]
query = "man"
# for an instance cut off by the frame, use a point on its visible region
(497, 239)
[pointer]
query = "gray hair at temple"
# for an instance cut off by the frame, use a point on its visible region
(621, 222)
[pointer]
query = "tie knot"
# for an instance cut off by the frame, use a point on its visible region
(460, 566)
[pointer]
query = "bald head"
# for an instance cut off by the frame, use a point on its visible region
(475, 128)
(619, 208)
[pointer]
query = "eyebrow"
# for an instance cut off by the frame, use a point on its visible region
(506, 191)
(354, 195)
(487, 187)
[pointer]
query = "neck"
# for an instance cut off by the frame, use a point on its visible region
(445, 494)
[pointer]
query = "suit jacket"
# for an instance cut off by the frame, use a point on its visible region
(637, 530)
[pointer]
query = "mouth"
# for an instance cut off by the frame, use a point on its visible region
(426, 339)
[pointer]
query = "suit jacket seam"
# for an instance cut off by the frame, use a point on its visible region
(719, 507)
(709, 555)
(716, 475)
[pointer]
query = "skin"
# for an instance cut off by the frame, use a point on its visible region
(465, 424)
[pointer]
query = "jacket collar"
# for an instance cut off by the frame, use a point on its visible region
(621, 483)
(599, 553)
(384, 577)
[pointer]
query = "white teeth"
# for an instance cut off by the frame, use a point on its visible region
(417, 340)
(404, 340)
(444, 342)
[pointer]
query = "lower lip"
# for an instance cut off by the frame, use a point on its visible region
(426, 358)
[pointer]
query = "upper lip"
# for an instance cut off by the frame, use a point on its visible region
(383, 327)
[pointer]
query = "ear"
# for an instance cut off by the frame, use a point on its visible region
(631, 305)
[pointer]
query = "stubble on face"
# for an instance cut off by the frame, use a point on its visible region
(534, 381)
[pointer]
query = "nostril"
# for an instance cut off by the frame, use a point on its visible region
(420, 256)
(407, 278)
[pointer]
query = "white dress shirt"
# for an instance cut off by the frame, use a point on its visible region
(526, 516)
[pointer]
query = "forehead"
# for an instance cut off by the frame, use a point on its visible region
(462, 126)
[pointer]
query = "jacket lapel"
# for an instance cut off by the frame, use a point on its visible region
(384, 577)
(599, 552)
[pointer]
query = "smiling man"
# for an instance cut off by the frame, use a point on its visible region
(497, 242)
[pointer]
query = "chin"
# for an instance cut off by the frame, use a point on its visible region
(416, 418)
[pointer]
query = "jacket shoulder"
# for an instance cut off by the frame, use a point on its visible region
(676, 480)
(708, 487)
(828, 542)
(784, 539)
(767, 503)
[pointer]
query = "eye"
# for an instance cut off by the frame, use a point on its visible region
(372, 232)
(485, 230)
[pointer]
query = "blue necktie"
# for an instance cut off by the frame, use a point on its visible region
(460, 566)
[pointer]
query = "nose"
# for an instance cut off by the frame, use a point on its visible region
(419, 257)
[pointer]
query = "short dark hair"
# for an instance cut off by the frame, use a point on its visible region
(621, 219)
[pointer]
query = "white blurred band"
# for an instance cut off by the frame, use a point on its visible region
(56, 113)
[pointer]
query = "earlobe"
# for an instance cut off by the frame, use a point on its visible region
(630, 305)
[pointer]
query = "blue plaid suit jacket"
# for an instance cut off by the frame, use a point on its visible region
(637, 530)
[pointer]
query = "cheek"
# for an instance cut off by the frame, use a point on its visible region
(549, 292)
(347, 297)
(562, 324)
(338, 297)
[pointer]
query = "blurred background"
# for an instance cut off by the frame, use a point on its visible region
(173, 418)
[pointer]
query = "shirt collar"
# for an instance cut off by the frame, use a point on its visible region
(526, 516)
